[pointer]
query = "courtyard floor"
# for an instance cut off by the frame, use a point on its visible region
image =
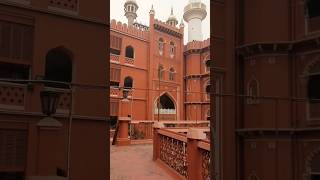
(135, 162)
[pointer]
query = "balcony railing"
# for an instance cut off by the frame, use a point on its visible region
(129, 61)
(141, 130)
(114, 58)
(165, 111)
(174, 150)
(114, 92)
(12, 96)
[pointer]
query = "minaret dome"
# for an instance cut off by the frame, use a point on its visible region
(130, 9)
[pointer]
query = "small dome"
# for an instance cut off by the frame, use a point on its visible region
(131, 1)
(134, 2)
(172, 18)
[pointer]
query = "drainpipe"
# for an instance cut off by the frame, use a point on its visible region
(69, 132)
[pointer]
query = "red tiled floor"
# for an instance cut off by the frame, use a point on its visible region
(135, 163)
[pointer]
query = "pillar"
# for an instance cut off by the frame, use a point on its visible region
(193, 154)
(156, 140)
(123, 134)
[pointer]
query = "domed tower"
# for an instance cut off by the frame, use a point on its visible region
(172, 20)
(130, 9)
(194, 13)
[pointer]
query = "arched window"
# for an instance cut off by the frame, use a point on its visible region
(315, 167)
(58, 67)
(172, 49)
(253, 92)
(160, 72)
(129, 52)
(161, 46)
(171, 74)
(313, 8)
(128, 83)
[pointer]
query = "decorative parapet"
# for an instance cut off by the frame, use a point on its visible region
(129, 30)
(197, 45)
(66, 6)
(169, 29)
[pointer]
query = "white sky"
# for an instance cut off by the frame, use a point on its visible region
(162, 11)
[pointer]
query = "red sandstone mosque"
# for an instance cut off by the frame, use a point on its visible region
(162, 78)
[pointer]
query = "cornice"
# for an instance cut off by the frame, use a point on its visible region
(280, 47)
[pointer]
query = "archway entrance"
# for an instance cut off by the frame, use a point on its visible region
(165, 108)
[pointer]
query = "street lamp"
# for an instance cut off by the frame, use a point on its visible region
(49, 103)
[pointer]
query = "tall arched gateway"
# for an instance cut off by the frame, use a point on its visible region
(165, 108)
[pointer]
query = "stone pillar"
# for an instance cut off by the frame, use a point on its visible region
(156, 140)
(123, 134)
(193, 154)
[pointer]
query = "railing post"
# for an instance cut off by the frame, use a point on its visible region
(123, 138)
(156, 140)
(193, 153)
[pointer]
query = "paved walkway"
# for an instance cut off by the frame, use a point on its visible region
(135, 163)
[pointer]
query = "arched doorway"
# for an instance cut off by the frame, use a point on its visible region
(165, 108)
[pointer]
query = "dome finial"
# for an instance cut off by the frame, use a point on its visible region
(172, 20)
(152, 12)
(181, 23)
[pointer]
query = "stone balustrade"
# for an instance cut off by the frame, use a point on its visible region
(12, 96)
(187, 156)
(165, 111)
(114, 58)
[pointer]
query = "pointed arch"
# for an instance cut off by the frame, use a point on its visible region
(167, 94)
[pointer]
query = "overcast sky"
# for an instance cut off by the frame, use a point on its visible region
(162, 11)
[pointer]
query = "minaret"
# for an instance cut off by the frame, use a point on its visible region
(172, 20)
(194, 13)
(130, 9)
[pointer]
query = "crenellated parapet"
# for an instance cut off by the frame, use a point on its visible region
(195, 46)
(129, 30)
(167, 28)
